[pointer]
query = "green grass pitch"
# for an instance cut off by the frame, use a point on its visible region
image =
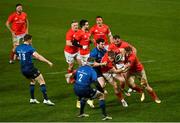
(152, 26)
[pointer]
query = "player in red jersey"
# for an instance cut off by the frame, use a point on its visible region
(100, 30)
(83, 37)
(17, 24)
(136, 69)
(111, 74)
(118, 44)
(71, 48)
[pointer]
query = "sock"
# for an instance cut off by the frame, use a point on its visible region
(122, 85)
(137, 88)
(11, 56)
(83, 103)
(153, 94)
(31, 87)
(43, 90)
(119, 95)
(102, 105)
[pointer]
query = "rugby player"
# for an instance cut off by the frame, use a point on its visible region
(18, 25)
(25, 52)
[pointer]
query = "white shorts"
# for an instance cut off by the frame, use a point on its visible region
(18, 38)
(83, 58)
(109, 77)
(70, 57)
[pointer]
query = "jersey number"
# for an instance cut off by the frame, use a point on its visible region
(80, 77)
(22, 56)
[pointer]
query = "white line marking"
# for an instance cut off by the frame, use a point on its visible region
(148, 61)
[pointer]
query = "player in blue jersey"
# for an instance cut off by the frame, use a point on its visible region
(97, 53)
(25, 52)
(84, 77)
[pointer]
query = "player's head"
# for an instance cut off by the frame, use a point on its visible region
(128, 50)
(116, 39)
(74, 25)
(84, 24)
(90, 61)
(99, 20)
(100, 43)
(19, 7)
(111, 55)
(28, 38)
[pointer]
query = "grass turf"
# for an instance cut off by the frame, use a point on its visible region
(153, 27)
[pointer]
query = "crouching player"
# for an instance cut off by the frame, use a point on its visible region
(25, 52)
(84, 77)
(135, 69)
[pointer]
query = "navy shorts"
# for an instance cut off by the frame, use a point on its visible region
(84, 92)
(98, 71)
(31, 74)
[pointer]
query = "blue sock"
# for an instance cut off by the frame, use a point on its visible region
(102, 105)
(43, 90)
(83, 103)
(31, 88)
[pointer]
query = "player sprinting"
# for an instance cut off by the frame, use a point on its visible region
(18, 25)
(25, 52)
(71, 48)
(101, 30)
(84, 77)
(136, 70)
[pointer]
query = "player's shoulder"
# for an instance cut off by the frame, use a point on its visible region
(12, 14)
(94, 49)
(105, 25)
(70, 32)
(24, 13)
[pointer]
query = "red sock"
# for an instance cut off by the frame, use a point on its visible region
(153, 95)
(137, 88)
(11, 56)
(120, 96)
(122, 85)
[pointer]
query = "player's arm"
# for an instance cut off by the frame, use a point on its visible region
(69, 43)
(133, 49)
(9, 28)
(41, 58)
(96, 64)
(27, 26)
(110, 35)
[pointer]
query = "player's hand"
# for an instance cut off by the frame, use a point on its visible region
(84, 47)
(103, 64)
(13, 34)
(50, 64)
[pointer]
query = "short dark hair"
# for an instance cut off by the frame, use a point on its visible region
(111, 54)
(99, 40)
(19, 4)
(82, 22)
(27, 37)
(74, 21)
(128, 49)
(98, 17)
(116, 37)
